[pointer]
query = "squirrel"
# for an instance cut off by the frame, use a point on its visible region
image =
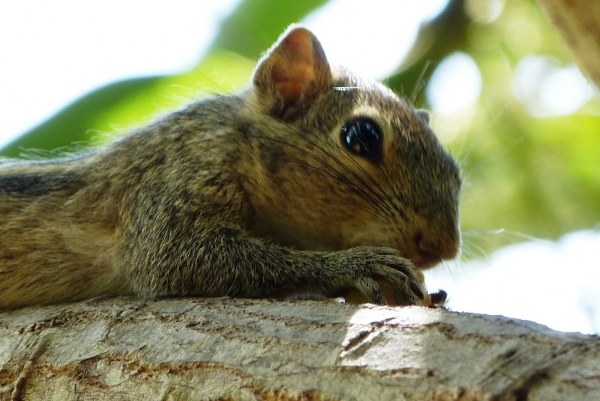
(311, 180)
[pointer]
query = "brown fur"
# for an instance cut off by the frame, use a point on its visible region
(244, 195)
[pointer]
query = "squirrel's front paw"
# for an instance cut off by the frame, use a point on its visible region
(379, 274)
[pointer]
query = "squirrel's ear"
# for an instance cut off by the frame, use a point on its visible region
(293, 72)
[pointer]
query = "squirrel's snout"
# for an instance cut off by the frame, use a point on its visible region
(428, 252)
(425, 260)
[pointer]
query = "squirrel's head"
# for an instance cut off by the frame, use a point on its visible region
(340, 161)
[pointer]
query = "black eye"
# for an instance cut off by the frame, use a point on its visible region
(362, 136)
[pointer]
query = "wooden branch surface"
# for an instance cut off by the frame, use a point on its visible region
(578, 21)
(239, 349)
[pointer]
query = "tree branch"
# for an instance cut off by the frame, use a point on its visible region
(258, 349)
(578, 21)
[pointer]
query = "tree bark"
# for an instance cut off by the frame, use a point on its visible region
(239, 349)
(578, 21)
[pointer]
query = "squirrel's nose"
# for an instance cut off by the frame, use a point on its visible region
(428, 252)
(424, 260)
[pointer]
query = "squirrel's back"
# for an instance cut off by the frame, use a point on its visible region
(62, 221)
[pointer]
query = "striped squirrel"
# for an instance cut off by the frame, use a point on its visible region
(311, 180)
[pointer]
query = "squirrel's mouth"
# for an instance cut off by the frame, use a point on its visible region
(426, 254)
(425, 260)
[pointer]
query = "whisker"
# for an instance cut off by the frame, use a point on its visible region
(345, 88)
(334, 201)
(420, 82)
(479, 233)
(383, 197)
(367, 186)
(474, 251)
(517, 234)
(445, 264)
(508, 234)
(385, 173)
(331, 172)
(381, 201)
(342, 179)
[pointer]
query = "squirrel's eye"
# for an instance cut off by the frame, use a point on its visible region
(362, 136)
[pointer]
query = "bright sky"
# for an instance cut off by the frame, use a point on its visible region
(54, 52)
(553, 283)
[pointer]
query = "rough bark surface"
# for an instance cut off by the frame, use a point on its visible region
(578, 21)
(239, 349)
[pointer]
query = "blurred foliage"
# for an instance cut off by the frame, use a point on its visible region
(251, 29)
(525, 176)
(537, 176)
